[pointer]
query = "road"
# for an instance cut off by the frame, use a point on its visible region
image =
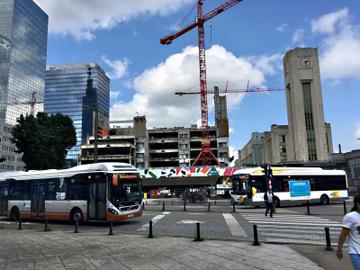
(290, 225)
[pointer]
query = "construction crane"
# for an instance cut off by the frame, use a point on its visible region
(32, 103)
(205, 154)
(239, 90)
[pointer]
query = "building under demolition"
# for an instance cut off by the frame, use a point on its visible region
(159, 147)
(156, 147)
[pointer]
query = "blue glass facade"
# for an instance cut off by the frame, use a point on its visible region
(23, 48)
(65, 89)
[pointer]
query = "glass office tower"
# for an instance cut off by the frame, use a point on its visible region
(65, 89)
(23, 48)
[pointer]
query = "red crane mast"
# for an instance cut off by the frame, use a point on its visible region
(206, 154)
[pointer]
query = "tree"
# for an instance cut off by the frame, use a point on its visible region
(44, 140)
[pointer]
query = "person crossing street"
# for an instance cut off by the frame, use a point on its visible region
(269, 200)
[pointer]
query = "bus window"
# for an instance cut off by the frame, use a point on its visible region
(53, 185)
(76, 188)
(258, 182)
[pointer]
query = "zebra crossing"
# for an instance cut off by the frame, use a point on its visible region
(294, 229)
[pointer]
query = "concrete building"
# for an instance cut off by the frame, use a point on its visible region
(23, 49)
(156, 147)
(123, 144)
(13, 161)
(76, 90)
(308, 139)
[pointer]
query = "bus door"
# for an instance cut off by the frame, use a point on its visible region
(3, 199)
(38, 199)
(97, 199)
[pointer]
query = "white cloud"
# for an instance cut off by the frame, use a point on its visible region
(114, 94)
(326, 24)
(81, 18)
(340, 57)
(156, 86)
(269, 65)
(357, 131)
(282, 27)
(231, 130)
(119, 67)
(298, 36)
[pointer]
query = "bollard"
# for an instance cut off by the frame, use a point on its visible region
(150, 229)
(143, 206)
(308, 208)
(46, 228)
(184, 205)
(214, 202)
(328, 242)
(345, 210)
(146, 202)
(209, 207)
(256, 239)
(234, 211)
(20, 224)
(111, 224)
(198, 238)
(76, 225)
(163, 206)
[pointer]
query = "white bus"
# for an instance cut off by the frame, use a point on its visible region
(249, 185)
(95, 192)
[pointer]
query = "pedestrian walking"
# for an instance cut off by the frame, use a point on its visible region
(351, 227)
(269, 200)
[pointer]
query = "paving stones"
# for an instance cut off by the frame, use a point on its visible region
(89, 250)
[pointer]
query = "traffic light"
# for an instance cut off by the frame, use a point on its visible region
(265, 170)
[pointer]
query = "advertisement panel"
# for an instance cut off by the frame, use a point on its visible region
(300, 189)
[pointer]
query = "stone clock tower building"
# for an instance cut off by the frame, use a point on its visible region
(309, 136)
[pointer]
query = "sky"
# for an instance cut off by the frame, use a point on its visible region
(245, 44)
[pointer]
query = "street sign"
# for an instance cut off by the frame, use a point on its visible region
(299, 190)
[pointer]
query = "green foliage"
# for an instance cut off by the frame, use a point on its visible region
(44, 140)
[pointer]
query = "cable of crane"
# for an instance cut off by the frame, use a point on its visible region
(183, 20)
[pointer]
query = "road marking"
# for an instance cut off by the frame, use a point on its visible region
(282, 221)
(297, 241)
(154, 220)
(299, 231)
(234, 226)
(284, 227)
(294, 236)
(189, 221)
(297, 223)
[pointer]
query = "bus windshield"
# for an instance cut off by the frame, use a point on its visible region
(241, 184)
(125, 190)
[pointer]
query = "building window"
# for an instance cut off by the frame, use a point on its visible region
(309, 121)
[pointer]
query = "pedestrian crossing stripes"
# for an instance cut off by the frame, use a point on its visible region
(234, 226)
(154, 220)
(297, 229)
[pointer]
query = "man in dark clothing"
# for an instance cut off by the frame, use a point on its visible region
(269, 200)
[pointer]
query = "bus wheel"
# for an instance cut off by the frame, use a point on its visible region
(76, 214)
(324, 199)
(15, 214)
(277, 202)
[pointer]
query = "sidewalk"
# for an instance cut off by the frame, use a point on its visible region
(34, 249)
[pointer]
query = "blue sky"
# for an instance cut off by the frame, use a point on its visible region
(247, 43)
